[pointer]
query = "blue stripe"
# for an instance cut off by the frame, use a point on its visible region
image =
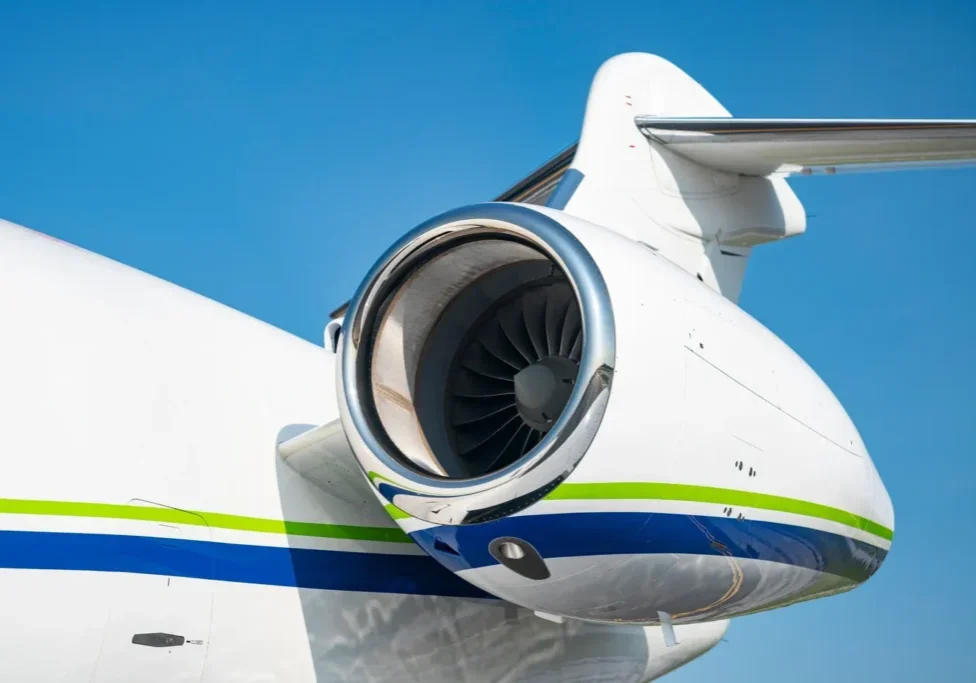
(273, 566)
(557, 535)
(618, 533)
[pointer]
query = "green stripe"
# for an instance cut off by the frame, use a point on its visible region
(710, 494)
(396, 513)
(211, 519)
(373, 476)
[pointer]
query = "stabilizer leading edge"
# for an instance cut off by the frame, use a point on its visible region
(809, 146)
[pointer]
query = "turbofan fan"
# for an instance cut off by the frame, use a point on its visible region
(514, 375)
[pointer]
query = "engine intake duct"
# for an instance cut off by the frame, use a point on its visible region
(488, 396)
(472, 352)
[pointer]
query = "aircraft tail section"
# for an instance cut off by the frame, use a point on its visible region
(661, 161)
(704, 220)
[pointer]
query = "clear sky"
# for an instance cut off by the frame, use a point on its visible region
(266, 155)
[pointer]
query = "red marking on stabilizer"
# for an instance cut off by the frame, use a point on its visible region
(632, 146)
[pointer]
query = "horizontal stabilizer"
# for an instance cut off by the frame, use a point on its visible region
(763, 147)
(663, 163)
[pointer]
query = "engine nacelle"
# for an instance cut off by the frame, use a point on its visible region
(566, 420)
(476, 363)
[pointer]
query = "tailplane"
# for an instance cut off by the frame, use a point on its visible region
(661, 161)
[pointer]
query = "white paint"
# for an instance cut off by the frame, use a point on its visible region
(716, 374)
(808, 146)
(649, 194)
(119, 388)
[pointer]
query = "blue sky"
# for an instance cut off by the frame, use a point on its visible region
(265, 155)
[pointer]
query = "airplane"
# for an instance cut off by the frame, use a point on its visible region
(541, 442)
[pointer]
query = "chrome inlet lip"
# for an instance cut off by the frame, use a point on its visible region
(443, 500)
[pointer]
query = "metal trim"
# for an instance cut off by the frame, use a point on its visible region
(525, 190)
(443, 500)
(565, 190)
(549, 171)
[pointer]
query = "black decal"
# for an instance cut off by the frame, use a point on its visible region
(157, 640)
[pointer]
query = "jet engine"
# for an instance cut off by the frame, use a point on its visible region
(523, 390)
(477, 361)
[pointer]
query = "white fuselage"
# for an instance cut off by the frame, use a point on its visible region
(141, 494)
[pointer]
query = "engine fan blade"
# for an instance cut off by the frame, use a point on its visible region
(571, 324)
(468, 410)
(512, 325)
(470, 384)
(533, 312)
(493, 338)
(479, 360)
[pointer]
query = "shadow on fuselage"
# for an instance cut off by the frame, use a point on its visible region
(398, 615)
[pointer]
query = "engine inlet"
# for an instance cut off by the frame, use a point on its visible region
(477, 348)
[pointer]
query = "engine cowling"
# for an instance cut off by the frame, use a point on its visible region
(476, 364)
(515, 382)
